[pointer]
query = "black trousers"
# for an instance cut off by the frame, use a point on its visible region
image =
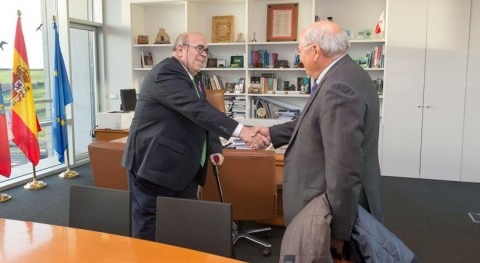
(144, 203)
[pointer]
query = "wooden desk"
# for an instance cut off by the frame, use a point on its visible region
(278, 221)
(109, 134)
(36, 243)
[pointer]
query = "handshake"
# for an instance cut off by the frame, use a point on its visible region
(258, 137)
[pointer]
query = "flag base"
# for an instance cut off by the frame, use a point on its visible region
(4, 197)
(34, 185)
(68, 174)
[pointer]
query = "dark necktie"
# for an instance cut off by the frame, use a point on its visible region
(314, 87)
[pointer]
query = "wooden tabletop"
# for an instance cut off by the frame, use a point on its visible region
(35, 243)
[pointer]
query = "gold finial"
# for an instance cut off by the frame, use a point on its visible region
(19, 13)
(54, 18)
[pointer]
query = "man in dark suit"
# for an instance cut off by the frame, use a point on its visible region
(333, 145)
(173, 132)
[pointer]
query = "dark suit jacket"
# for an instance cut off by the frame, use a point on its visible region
(168, 130)
(333, 148)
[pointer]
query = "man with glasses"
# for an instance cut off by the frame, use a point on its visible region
(173, 133)
(333, 145)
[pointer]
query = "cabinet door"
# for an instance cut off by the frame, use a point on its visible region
(444, 94)
(471, 143)
(403, 91)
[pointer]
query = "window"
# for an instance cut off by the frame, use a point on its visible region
(38, 35)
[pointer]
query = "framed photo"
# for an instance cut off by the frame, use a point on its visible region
(142, 39)
(236, 61)
(282, 22)
(221, 63)
(222, 29)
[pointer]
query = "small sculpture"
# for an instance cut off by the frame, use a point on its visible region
(240, 38)
(253, 39)
(162, 37)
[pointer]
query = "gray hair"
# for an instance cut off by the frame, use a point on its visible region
(182, 39)
(330, 42)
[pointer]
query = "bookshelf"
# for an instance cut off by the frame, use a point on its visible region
(250, 20)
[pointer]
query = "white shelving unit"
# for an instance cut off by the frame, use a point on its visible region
(250, 19)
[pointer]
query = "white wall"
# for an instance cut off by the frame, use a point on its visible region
(118, 48)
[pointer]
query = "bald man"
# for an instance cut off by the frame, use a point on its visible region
(333, 145)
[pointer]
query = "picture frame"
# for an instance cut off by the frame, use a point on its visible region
(211, 63)
(282, 22)
(221, 63)
(236, 61)
(142, 39)
(223, 28)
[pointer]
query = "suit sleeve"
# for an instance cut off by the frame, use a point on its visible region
(341, 123)
(176, 90)
(280, 134)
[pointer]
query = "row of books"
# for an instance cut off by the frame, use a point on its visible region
(263, 59)
(373, 59)
(209, 82)
(235, 106)
(268, 83)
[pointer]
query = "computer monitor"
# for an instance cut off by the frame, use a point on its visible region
(128, 98)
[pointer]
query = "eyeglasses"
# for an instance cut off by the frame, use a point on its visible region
(199, 48)
(298, 51)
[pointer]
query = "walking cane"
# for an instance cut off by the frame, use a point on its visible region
(215, 170)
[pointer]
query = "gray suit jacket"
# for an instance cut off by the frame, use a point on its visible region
(169, 128)
(333, 148)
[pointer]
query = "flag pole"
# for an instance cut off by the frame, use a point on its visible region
(68, 173)
(35, 185)
(4, 197)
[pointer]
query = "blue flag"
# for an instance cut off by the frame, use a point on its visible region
(62, 96)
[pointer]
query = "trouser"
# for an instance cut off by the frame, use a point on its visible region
(144, 203)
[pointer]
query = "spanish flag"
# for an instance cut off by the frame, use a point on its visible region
(5, 160)
(25, 125)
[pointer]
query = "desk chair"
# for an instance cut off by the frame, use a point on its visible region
(105, 160)
(100, 209)
(248, 182)
(216, 97)
(195, 224)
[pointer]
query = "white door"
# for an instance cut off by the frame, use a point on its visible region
(471, 141)
(403, 91)
(445, 73)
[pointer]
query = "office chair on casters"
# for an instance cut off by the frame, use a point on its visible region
(100, 209)
(248, 182)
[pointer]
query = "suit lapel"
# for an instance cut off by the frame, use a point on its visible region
(313, 96)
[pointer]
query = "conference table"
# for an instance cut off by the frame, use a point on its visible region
(22, 241)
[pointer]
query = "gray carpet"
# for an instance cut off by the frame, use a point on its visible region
(429, 216)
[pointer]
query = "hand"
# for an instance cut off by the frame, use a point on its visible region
(220, 159)
(336, 246)
(263, 135)
(252, 137)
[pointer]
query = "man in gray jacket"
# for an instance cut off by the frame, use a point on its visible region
(333, 145)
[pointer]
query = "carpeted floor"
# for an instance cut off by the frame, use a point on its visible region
(430, 216)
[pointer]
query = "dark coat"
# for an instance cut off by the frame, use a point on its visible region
(170, 125)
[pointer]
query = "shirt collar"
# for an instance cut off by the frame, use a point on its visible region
(327, 69)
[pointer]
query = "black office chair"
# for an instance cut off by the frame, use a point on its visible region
(195, 224)
(100, 209)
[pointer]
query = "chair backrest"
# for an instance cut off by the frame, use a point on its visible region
(248, 182)
(200, 225)
(105, 160)
(100, 209)
(216, 98)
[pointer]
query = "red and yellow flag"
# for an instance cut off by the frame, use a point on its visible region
(25, 125)
(5, 160)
